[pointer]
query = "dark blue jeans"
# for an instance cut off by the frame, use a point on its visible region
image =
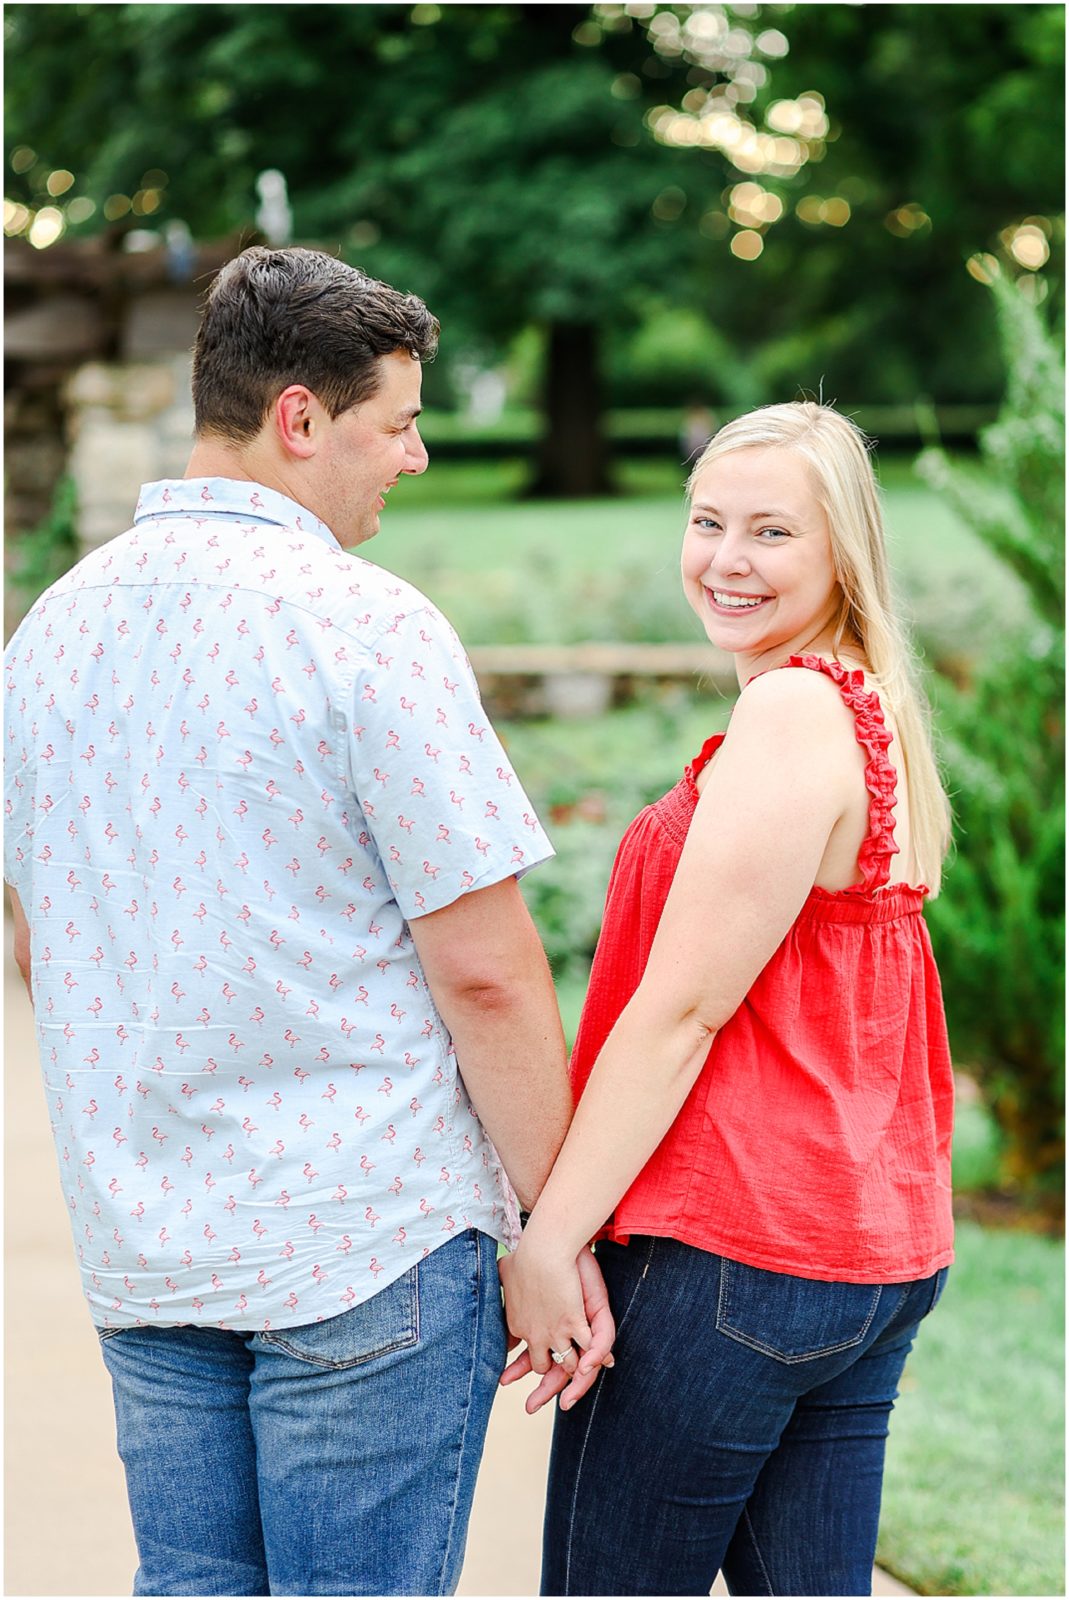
(338, 1458)
(742, 1429)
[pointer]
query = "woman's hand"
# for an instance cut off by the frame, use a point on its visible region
(533, 1283)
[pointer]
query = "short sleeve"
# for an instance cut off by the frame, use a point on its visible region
(19, 767)
(437, 791)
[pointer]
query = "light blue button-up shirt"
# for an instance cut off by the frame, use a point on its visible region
(239, 759)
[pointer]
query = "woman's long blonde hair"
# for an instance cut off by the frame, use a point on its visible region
(837, 452)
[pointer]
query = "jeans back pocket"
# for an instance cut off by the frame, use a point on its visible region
(792, 1319)
(388, 1322)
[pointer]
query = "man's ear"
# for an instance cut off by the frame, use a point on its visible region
(298, 419)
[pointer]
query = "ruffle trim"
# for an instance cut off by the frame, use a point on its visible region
(700, 762)
(873, 734)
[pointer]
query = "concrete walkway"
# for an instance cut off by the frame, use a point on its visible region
(67, 1527)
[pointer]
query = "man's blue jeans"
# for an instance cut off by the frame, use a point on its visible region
(337, 1458)
(742, 1429)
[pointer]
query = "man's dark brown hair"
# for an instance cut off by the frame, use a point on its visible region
(276, 317)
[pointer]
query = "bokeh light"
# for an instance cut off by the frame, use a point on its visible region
(772, 43)
(814, 209)
(907, 220)
(714, 225)
(983, 267)
(669, 204)
(1027, 245)
(587, 33)
(16, 217)
(753, 206)
(625, 86)
(747, 245)
(46, 227)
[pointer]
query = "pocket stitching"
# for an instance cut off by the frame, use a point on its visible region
(938, 1288)
(722, 1326)
(410, 1338)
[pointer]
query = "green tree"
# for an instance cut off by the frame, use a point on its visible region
(569, 167)
(935, 132)
(998, 927)
(483, 156)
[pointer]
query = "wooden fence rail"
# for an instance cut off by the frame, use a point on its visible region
(578, 680)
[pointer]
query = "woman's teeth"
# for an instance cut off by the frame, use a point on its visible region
(737, 602)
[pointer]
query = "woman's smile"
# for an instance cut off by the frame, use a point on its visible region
(729, 600)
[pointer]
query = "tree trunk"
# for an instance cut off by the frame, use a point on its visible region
(572, 459)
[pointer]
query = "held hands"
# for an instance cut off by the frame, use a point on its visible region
(555, 1304)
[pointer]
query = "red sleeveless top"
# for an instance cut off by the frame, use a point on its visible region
(816, 1140)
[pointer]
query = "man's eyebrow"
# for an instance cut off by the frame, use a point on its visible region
(408, 414)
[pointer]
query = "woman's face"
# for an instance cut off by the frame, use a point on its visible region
(757, 557)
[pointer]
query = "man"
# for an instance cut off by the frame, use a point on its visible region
(267, 846)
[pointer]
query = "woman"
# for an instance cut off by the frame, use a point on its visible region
(766, 1085)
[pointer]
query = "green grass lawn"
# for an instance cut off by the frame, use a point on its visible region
(503, 568)
(974, 1492)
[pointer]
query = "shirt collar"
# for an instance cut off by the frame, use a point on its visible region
(228, 497)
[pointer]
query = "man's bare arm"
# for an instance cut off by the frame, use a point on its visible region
(491, 983)
(22, 940)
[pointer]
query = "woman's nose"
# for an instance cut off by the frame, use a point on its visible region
(730, 556)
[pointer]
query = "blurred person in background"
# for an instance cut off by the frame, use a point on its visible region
(762, 1146)
(263, 850)
(695, 431)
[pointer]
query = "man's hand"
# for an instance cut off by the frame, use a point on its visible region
(572, 1378)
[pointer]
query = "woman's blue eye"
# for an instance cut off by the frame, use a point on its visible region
(774, 533)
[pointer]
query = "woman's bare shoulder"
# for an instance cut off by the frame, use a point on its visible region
(778, 698)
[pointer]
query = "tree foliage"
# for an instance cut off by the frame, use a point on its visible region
(513, 165)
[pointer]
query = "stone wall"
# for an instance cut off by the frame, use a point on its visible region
(96, 383)
(128, 423)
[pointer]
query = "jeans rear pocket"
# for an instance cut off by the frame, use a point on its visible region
(939, 1283)
(389, 1321)
(792, 1319)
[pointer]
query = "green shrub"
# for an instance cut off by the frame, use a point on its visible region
(587, 780)
(998, 927)
(46, 552)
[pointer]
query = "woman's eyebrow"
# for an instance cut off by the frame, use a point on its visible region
(755, 516)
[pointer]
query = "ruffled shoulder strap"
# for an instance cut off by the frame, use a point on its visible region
(701, 761)
(874, 736)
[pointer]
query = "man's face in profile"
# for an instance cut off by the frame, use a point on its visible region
(366, 449)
